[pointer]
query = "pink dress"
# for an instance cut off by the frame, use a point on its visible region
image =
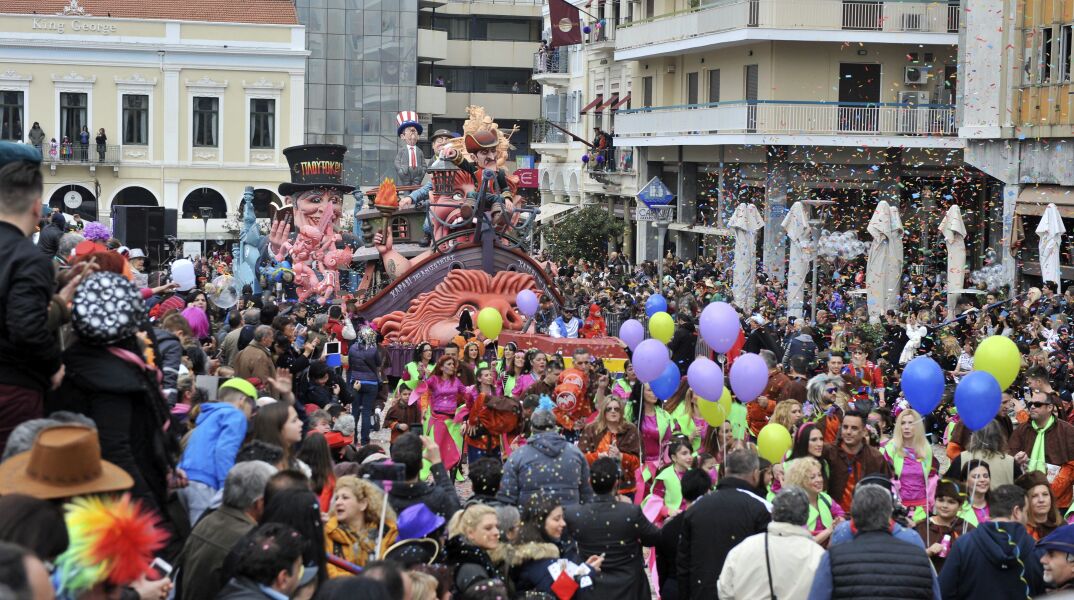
(440, 401)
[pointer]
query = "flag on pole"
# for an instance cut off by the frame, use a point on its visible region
(566, 23)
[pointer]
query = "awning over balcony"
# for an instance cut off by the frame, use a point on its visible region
(550, 210)
(1033, 200)
(596, 102)
(610, 103)
(621, 102)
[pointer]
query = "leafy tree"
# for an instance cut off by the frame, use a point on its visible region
(583, 234)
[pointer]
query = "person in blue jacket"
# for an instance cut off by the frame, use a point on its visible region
(214, 442)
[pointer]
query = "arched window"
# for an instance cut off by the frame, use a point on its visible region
(204, 198)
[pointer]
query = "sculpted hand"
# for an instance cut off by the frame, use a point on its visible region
(279, 236)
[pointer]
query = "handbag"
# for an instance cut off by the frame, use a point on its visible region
(348, 332)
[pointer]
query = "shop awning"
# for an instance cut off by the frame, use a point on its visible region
(596, 102)
(621, 102)
(1033, 200)
(550, 210)
(611, 102)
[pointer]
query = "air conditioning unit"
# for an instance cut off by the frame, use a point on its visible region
(916, 75)
(670, 69)
(914, 98)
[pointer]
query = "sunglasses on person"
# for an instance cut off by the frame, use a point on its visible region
(1038, 404)
(832, 390)
(614, 409)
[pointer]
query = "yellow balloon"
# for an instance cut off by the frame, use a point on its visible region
(998, 356)
(662, 326)
(725, 401)
(490, 322)
(712, 412)
(773, 442)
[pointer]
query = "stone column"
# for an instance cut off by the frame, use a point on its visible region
(1010, 199)
(775, 208)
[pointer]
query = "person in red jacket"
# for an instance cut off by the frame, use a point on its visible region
(594, 325)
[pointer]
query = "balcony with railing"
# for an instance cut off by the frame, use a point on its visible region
(76, 155)
(926, 125)
(714, 24)
(549, 137)
(550, 67)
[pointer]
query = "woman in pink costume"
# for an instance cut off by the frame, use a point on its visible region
(441, 396)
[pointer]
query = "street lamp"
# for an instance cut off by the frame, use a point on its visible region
(815, 223)
(205, 213)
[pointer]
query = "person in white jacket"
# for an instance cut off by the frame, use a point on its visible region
(777, 563)
(915, 332)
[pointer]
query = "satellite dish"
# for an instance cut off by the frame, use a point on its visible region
(72, 199)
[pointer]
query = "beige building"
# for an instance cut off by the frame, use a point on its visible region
(197, 100)
(479, 53)
(775, 101)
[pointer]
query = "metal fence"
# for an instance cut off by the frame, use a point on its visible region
(79, 154)
(615, 321)
(550, 61)
(544, 133)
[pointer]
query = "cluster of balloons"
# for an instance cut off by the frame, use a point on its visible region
(992, 277)
(978, 396)
(844, 245)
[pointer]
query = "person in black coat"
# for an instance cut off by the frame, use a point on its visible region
(441, 497)
(717, 522)
(999, 558)
(49, 239)
(615, 531)
(695, 484)
(683, 344)
(109, 380)
(761, 339)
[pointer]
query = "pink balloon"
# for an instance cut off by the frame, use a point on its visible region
(649, 360)
(720, 326)
(749, 377)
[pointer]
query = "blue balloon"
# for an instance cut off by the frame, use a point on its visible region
(977, 399)
(656, 303)
(664, 386)
(922, 384)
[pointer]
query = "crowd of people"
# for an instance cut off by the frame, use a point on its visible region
(156, 444)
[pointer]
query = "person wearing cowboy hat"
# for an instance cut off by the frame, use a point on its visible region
(420, 197)
(64, 462)
(484, 146)
(409, 161)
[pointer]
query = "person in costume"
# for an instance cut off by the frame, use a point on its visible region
(624, 385)
(682, 406)
(410, 163)
(978, 477)
(594, 325)
(1042, 515)
(515, 372)
(611, 435)
(112, 544)
(419, 198)
(314, 200)
(440, 397)
(506, 359)
(944, 522)
(536, 363)
(656, 428)
(419, 367)
(471, 361)
(824, 513)
(910, 455)
(566, 325)
(667, 484)
(491, 417)
(809, 442)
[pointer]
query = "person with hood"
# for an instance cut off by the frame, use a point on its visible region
(49, 240)
(616, 532)
(110, 379)
(547, 462)
(567, 325)
(801, 345)
(214, 442)
(998, 559)
(594, 326)
(440, 497)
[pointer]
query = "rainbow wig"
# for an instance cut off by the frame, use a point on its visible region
(112, 541)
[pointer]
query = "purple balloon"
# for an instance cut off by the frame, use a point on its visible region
(720, 326)
(526, 301)
(632, 332)
(706, 378)
(650, 359)
(749, 377)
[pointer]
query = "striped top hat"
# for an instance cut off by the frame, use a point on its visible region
(407, 118)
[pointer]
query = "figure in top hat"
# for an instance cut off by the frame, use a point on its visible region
(409, 161)
(314, 202)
